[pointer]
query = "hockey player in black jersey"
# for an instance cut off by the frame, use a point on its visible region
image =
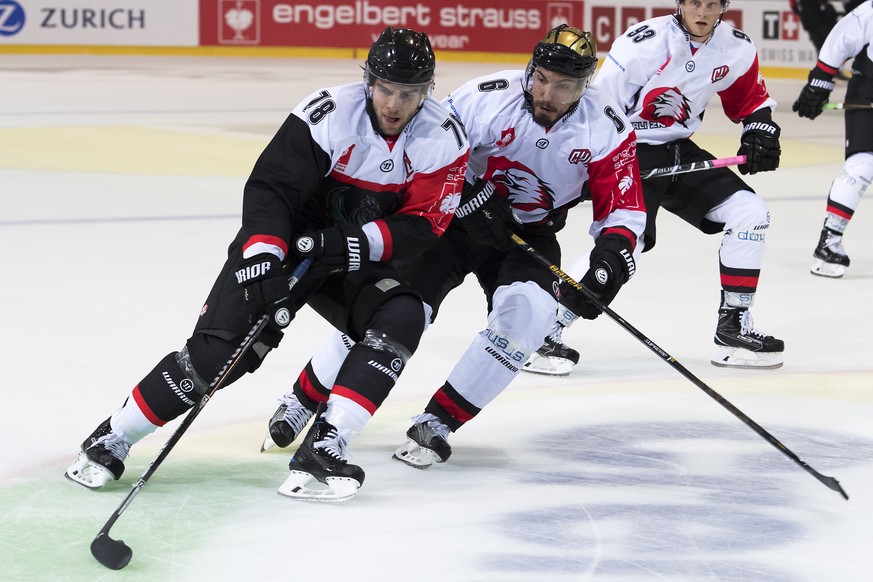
(537, 137)
(852, 37)
(358, 175)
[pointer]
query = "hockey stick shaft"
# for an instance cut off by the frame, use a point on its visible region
(829, 482)
(116, 555)
(840, 106)
(692, 167)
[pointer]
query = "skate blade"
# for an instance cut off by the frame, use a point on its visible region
(548, 365)
(88, 474)
(415, 455)
(823, 269)
(304, 487)
(268, 444)
(728, 357)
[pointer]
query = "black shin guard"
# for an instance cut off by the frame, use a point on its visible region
(167, 391)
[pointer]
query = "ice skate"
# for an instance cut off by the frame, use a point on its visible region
(319, 469)
(740, 345)
(286, 423)
(426, 443)
(829, 258)
(553, 358)
(101, 459)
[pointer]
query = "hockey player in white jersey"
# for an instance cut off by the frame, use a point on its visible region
(537, 136)
(358, 175)
(851, 37)
(664, 71)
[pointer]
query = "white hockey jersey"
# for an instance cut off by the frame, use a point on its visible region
(665, 84)
(852, 34)
(541, 171)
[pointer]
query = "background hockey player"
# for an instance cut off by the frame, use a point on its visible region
(357, 175)
(537, 136)
(851, 37)
(664, 71)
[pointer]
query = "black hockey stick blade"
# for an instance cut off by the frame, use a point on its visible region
(114, 554)
(829, 482)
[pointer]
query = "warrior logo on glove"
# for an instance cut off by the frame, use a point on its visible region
(305, 244)
(602, 275)
(282, 317)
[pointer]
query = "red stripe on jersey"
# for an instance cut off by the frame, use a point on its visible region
(750, 282)
(456, 411)
(355, 397)
(308, 388)
(267, 240)
(745, 96)
(145, 408)
(387, 240)
(839, 212)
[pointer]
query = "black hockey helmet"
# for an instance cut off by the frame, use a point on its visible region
(402, 56)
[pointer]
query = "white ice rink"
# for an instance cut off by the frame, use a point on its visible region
(121, 182)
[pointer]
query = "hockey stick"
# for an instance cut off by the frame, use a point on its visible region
(115, 554)
(836, 106)
(692, 167)
(829, 482)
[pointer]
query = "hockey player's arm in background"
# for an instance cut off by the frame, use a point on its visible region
(846, 39)
(629, 64)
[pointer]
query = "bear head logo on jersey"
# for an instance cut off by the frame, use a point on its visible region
(666, 105)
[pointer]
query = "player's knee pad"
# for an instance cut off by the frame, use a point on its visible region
(401, 318)
(521, 315)
(849, 187)
(205, 355)
(745, 217)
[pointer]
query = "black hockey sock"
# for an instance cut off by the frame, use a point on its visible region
(166, 391)
(451, 408)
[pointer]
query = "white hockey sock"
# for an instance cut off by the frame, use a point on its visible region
(130, 424)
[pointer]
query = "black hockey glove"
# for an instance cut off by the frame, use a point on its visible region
(814, 94)
(486, 215)
(265, 288)
(759, 143)
(337, 249)
(612, 264)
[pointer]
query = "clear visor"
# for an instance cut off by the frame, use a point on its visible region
(557, 89)
(417, 91)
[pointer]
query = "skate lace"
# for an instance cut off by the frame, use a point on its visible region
(555, 333)
(295, 414)
(747, 326)
(835, 245)
(333, 444)
(117, 447)
(434, 424)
